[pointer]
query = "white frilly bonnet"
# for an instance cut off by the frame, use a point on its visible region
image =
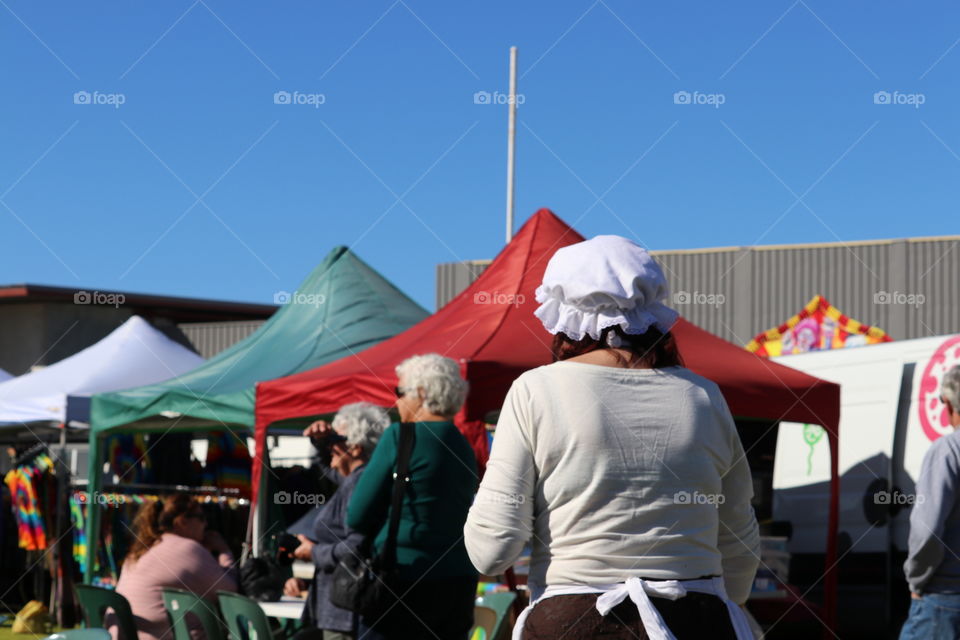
(603, 282)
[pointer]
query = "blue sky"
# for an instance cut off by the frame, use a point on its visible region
(200, 185)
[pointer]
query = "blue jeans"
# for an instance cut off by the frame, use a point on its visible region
(935, 616)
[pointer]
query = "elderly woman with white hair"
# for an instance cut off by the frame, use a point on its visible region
(437, 583)
(622, 468)
(348, 442)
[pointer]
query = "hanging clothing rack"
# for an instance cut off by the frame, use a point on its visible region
(30, 454)
(204, 490)
(174, 488)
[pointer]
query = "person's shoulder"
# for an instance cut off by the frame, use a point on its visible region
(455, 441)
(448, 430)
(347, 485)
(390, 435)
(678, 376)
(945, 446)
(548, 375)
(687, 377)
(690, 381)
(537, 374)
(176, 545)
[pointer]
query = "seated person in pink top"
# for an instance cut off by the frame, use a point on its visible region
(172, 549)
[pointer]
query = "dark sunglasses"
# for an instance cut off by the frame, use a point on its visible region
(335, 438)
(400, 391)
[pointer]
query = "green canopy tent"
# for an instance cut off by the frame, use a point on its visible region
(343, 307)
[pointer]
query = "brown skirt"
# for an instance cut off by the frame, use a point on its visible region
(695, 616)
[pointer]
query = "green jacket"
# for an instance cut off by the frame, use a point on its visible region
(443, 481)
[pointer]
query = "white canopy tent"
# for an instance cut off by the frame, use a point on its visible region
(4, 375)
(134, 354)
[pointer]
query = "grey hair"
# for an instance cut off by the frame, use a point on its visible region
(362, 423)
(438, 378)
(950, 387)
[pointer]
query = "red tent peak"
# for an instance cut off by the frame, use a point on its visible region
(518, 269)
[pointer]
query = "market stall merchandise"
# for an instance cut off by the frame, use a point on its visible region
(32, 486)
(343, 307)
(52, 404)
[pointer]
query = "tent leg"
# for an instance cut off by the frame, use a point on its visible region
(833, 524)
(93, 512)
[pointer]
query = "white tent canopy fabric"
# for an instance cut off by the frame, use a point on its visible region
(4, 375)
(134, 354)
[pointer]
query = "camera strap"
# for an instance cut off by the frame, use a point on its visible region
(400, 478)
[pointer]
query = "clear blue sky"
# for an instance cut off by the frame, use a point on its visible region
(94, 196)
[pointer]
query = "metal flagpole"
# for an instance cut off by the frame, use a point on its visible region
(511, 140)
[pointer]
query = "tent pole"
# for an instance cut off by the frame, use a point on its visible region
(95, 471)
(833, 525)
(259, 511)
(511, 140)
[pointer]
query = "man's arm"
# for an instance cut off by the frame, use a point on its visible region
(935, 496)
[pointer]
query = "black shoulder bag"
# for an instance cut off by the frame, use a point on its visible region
(364, 584)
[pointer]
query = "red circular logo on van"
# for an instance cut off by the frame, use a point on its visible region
(933, 415)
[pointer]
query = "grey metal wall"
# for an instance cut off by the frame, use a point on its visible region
(454, 277)
(210, 338)
(703, 284)
(754, 289)
(908, 288)
(934, 270)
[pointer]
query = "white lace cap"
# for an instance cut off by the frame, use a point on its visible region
(603, 282)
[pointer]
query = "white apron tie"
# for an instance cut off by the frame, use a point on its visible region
(639, 592)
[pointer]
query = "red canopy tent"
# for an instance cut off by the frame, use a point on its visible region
(491, 330)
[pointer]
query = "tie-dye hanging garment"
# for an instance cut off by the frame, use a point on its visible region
(28, 485)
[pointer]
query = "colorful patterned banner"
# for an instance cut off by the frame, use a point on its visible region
(818, 327)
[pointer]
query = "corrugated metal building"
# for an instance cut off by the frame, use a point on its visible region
(455, 277)
(907, 287)
(210, 338)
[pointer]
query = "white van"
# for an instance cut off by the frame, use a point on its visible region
(890, 413)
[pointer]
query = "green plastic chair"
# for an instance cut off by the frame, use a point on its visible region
(243, 615)
(80, 634)
(179, 603)
(484, 621)
(95, 601)
(501, 603)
